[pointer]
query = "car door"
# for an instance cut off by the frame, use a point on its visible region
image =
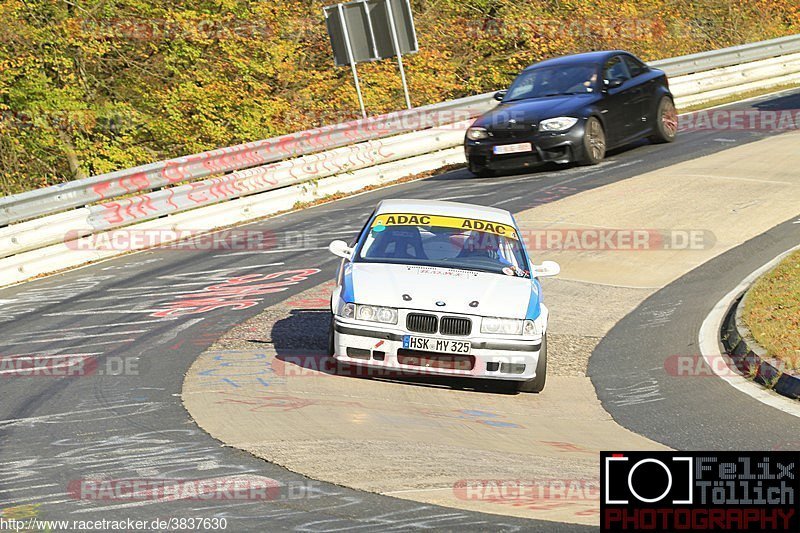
(643, 92)
(618, 103)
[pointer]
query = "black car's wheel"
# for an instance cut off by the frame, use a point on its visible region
(666, 127)
(331, 348)
(482, 171)
(537, 384)
(594, 142)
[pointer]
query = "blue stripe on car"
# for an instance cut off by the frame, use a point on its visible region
(534, 307)
(348, 295)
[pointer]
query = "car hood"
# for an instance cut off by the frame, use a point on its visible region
(496, 294)
(535, 110)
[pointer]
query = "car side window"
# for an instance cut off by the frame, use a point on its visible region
(616, 69)
(635, 67)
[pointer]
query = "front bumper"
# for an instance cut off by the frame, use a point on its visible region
(563, 147)
(381, 347)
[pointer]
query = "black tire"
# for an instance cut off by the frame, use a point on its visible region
(594, 142)
(482, 171)
(331, 348)
(537, 384)
(666, 127)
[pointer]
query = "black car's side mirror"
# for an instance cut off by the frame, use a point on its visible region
(499, 95)
(613, 84)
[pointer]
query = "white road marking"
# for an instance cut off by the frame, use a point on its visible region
(512, 199)
(229, 269)
(45, 356)
(712, 351)
(30, 487)
(173, 333)
(111, 325)
(86, 345)
(448, 198)
(159, 287)
(262, 252)
(109, 310)
(57, 417)
(18, 501)
(77, 337)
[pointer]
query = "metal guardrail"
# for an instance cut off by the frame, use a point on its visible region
(105, 187)
(726, 57)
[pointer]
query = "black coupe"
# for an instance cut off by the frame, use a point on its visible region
(572, 109)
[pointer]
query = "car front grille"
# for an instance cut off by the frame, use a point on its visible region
(518, 132)
(422, 323)
(435, 360)
(451, 325)
(502, 135)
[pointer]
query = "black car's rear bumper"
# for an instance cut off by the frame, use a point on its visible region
(563, 147)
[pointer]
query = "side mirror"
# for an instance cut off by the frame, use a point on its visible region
(341, 249)
(546, 269)
(499, 95)
(613, 84)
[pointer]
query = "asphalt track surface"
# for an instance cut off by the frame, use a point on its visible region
(54, 431)
(633, 367)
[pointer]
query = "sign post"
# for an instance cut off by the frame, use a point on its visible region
(396, 46)
(349, 47)
(370, 30)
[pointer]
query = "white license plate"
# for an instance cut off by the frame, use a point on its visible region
(428, 344)
(513, 148)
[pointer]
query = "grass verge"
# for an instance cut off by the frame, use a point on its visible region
(772, 311)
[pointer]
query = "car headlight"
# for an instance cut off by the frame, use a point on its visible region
(507, 326)
(348, 311)
(476, 134)
(531, 329)
(557, 124)
(372, 313)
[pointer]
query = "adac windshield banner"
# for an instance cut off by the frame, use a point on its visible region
(466, 224)
(699, 491)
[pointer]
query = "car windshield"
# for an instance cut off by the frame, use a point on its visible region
(553, 81)
(449, 242)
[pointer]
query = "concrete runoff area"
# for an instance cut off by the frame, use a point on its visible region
(424, 442)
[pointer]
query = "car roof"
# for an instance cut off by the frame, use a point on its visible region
(600, 56)
(438, 207)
